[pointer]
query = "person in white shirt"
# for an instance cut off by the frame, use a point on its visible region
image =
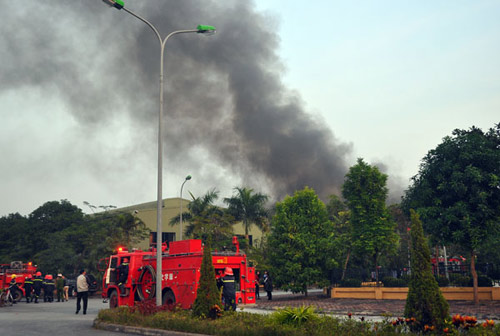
(82, 288)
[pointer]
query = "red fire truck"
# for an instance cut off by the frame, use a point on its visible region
(21, 270)
(181, 264)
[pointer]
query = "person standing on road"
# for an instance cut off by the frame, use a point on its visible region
(60, 288)
(268, 285)
(257, 285)
(82, 288)
(28, 287)
(37, 285)
(228, 289)
(49, 288)
(66, 288)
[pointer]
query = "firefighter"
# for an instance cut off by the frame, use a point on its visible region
(28, 288)
(123, 273)
(49, 287)
(37, 285)
(13, 287)
(228, 289)
(45, 288)
(257, 285)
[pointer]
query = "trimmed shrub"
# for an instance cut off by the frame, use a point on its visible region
(482, 281)
(424, 302)
(350, 283)
(442, 281)
(394, 282)
(459, 280)
(208, 297)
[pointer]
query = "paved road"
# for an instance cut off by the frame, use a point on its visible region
(56, 318)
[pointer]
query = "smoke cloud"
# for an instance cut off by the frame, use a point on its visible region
(226, 107)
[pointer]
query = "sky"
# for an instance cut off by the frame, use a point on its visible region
(285, 95)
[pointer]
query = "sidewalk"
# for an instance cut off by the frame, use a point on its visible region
(395, 308)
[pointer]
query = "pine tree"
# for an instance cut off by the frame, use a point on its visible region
(208, 295)
(425, 302)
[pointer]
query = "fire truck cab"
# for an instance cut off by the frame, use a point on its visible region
(181, 264)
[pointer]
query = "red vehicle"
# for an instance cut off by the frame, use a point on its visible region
(180, 274)
(455, 265)
(21, 270)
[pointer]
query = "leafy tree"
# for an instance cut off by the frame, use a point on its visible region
(301, 243)
(58, 237)
(457, 191)
(207, 295)
(424, 302)
(15, 238)
(401, 258)
(257, 254)
(248, 207)
(373, 230)
(338, 214)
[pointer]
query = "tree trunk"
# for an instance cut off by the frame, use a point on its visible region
(305, 290)
(474, 276)
(345, 264)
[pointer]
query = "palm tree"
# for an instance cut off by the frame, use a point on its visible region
(206, 220)
(248, 207)
(197, 206)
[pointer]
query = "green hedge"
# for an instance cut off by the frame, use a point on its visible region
(394, 282)
(350, 283)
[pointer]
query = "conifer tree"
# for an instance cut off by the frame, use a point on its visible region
(208, 295)
(425, 302)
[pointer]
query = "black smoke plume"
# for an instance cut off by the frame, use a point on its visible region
(226, 105)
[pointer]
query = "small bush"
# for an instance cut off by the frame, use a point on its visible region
(482, 281)
(394, 282)
(147, 307)
(350, 283)
(442, 281)
(295, 316)
(459, 280)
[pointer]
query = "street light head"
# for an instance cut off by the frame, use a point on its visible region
(188, 177)
(205, 29)
(118, 4)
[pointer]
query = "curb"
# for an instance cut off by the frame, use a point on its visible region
(139, 330)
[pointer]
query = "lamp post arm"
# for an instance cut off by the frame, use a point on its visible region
(150, 25)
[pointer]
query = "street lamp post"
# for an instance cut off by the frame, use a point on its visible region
(203, 29)
(182, 186)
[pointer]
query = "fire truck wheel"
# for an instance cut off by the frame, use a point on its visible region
(146, 287)
(113, 300)
(17, 295)
(169, 299)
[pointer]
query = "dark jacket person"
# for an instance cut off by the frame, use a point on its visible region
(228, 289)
